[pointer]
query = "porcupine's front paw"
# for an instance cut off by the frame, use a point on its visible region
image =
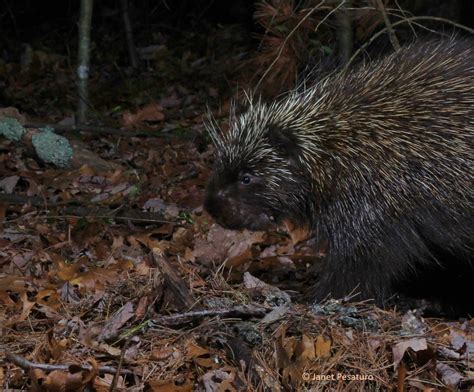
(351, 285)
(327, 286)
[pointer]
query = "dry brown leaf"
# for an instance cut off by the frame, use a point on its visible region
(37, 377)
(305, 349)
(224, 244)
(399, 349)
(150, 113)
(8, 184)
(297, 234)
(102, 384)
(219, 380)
(56, 347)
(293, 356)
(60, 381)
(142, 307)
(188, 255)
(113, 325)
(27, 306)
(322, 347)
(13, 113)
(206, 362)
(170, 386)
(193, 350)
(161, 353)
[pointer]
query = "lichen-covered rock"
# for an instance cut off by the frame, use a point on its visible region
(11, 129)
(52, 148)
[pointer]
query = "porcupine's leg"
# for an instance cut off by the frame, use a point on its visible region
(445, 274)
(386, 272)
(446, 281)
(368, 265)
(360, 279)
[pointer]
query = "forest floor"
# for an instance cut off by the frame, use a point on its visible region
(118, 279)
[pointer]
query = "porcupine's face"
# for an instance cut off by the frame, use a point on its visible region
(235, 199)
(255, 183)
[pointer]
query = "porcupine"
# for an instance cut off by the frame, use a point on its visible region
(377, 163)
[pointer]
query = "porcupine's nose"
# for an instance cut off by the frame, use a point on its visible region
(222, 194)
(213, 202)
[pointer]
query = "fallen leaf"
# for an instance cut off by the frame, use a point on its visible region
(448, 375)
(12, 112)
(150, 113)
(8, 184)
(399, 349)
(322, 347)
(113, 325)
(297, 234)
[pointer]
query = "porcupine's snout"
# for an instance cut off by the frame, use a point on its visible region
(236, 209)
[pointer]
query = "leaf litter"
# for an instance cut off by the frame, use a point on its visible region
(121, 274)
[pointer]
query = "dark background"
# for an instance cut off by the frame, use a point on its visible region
(208, 43)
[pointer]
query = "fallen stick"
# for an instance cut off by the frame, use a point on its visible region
(84, 212)
(26, 365)
(239, 311)
(174, 282)
(94, 129)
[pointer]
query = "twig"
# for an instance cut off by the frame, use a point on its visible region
(345, 33)
(81, 211)
(404, 14)
(132, 52)
(113, 385)
(282, 46)
(391, 32)
(130, 215)
(37, 201)
(94, 129)
(26, 365)
(84, 59)
(240, 311)
(174, 281)
(114, 217)
(407, 20)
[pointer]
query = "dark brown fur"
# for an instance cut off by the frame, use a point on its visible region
(378, 163)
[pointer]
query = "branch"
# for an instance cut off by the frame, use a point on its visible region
(26, 365)
(92, 129)
(136, 216)
(132, 52)
(240, 311)
(345, 36)
(391, 32)
(173, 281)
(282, 46)
(407, 20)
(37, 201)
(84, 59)
(113, 385)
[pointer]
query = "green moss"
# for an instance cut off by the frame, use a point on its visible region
(52, 148)
(11, 129)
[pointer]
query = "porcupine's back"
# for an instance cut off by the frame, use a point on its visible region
(404, 158)
(377, 162)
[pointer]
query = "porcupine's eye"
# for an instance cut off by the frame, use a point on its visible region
(246, 179)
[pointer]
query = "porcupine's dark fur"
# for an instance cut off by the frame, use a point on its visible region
(378, 163)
